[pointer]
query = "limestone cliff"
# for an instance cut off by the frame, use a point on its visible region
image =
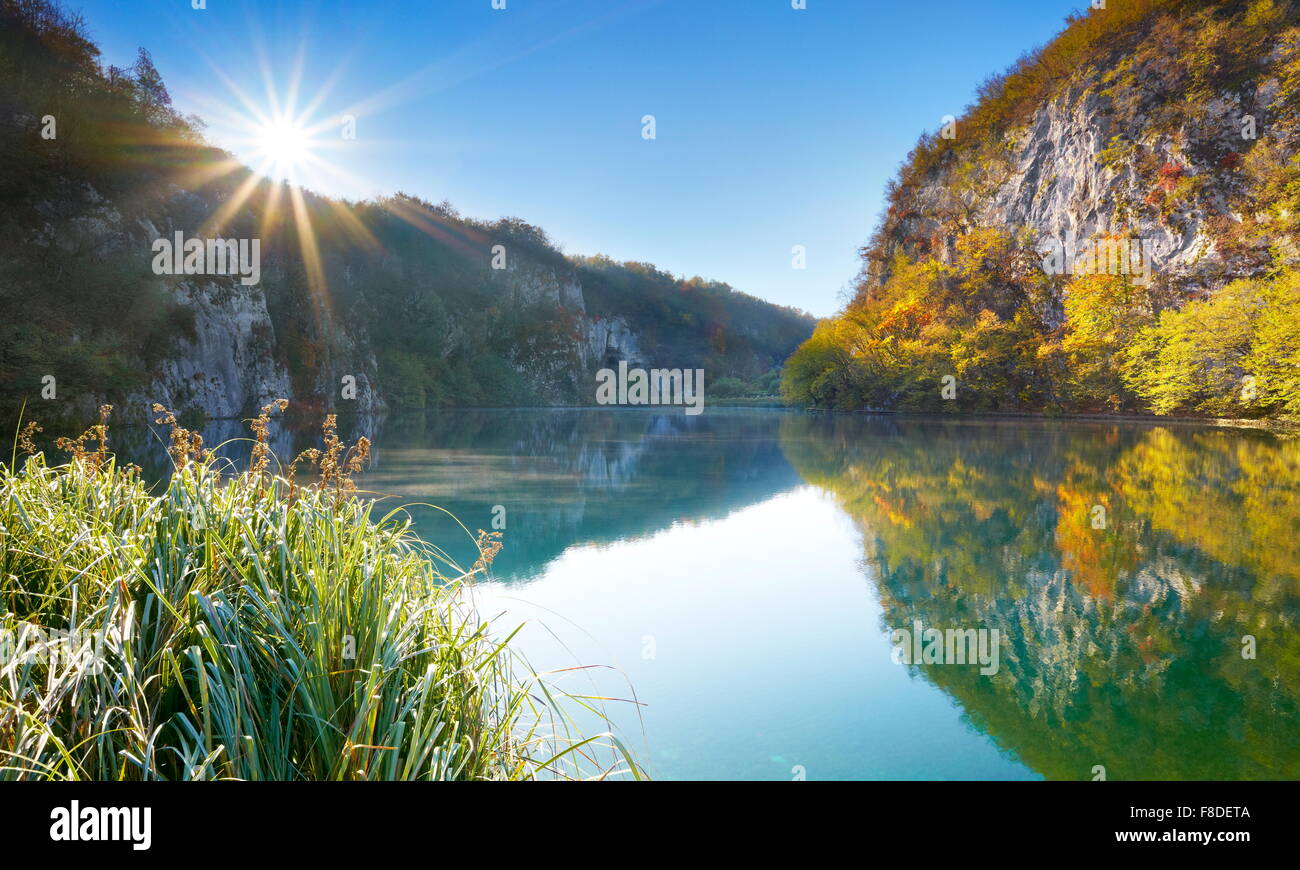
(1111, 226)
(1166, 136)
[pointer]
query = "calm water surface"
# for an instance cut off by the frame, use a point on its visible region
(741, 571)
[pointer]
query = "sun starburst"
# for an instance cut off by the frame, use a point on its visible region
(283, 148)
(277, 149)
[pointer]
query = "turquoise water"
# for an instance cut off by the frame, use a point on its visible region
(740, 574)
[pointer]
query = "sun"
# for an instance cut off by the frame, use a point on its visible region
(284, 147)
(278, 150)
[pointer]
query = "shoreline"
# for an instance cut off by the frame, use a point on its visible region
(1264, 424)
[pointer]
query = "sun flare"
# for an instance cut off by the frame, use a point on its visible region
(284, 146)
(280, 147)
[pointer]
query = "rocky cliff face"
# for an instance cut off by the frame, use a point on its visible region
(1057, 178)
(1169, 140)
(226, 356)
(232, 361)
(227, 365)
(221, 357)
(1061, 182)
(1112, 225)
(606, 340)
(592, 339)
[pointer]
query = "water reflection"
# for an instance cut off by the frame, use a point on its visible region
(566, 477)
(1123, 644)
(1122, 565)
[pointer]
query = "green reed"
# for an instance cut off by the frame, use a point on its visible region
(241, 626)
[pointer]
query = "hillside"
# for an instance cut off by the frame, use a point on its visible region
(385, 304)
(1112, 226)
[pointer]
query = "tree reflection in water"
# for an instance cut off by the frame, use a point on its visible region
(1122, 644)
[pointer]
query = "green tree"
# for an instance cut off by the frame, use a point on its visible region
(1194, 358)
(1102, 314)
(1274, 358)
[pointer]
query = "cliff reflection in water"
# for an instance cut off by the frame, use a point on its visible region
(1122, 646)
(574, 477)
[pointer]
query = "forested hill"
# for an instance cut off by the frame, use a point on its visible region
(385, 304)
(1111, 226)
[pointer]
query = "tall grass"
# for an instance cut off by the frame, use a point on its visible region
(241, 626)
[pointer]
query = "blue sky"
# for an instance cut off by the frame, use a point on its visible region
(775, 127)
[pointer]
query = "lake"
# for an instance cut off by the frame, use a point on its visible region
(742, 573)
